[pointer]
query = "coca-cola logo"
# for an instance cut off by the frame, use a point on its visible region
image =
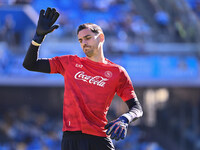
(96, 80)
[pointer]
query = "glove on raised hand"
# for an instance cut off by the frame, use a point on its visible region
(117, 128)
(45, 24)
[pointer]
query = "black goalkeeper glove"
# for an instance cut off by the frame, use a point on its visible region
(45, 24)
(117, 128)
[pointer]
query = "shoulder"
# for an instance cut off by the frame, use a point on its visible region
(120, 70)
(66, 57)
(116, 66)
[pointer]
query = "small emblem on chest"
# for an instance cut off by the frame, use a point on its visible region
(108, 74)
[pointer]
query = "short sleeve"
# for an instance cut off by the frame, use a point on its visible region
(125, 88)
(57, 64)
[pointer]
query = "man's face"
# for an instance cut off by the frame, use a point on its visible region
(89, 42)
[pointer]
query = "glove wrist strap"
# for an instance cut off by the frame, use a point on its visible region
(35, 43)
(124, 118)
(38, 38)
(129, 117)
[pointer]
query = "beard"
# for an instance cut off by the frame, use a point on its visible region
(89, 51)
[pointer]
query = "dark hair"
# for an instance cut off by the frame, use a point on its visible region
(93, 27)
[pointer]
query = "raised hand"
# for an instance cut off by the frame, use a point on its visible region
(46, 24)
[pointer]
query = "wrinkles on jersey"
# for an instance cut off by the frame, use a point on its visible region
(85, 111)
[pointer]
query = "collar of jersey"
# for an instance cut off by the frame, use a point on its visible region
(98, 63)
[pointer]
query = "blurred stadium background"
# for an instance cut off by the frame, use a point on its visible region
(157, 41)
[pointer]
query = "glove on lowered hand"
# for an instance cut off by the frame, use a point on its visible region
(117, 128)
(45, 24)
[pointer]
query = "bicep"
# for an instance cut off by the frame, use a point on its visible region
(41, 65)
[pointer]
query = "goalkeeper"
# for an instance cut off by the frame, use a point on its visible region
(90, 85)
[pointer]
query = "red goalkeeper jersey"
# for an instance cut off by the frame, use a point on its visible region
(89, 89)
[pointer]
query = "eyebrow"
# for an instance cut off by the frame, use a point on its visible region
(84, 37)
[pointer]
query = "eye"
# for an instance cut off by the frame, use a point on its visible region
(87, 38)
(80, 41)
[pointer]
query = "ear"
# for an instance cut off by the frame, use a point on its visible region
(102, 37)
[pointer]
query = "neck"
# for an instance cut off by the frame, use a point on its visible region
(98, 58)
(101, 59)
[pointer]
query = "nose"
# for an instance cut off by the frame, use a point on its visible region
(84, 42)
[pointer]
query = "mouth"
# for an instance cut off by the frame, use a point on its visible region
(86, 48)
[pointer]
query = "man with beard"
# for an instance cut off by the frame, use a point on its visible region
(90, 85)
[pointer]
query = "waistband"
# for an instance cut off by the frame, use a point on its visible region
(79, 134)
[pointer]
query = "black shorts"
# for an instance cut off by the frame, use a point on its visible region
(76, 140)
